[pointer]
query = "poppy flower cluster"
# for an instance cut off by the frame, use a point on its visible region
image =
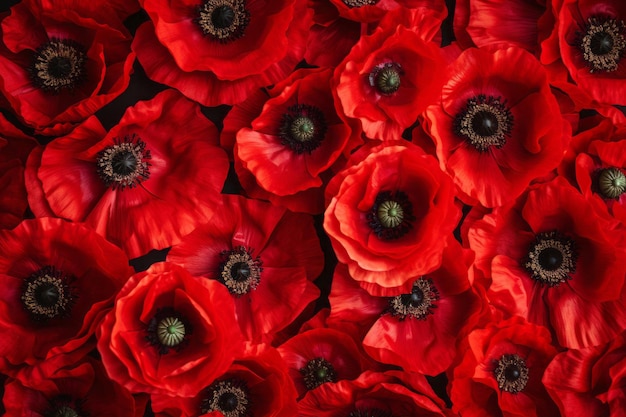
(338, 208)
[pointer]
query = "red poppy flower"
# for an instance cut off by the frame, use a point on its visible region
(143, 176)
(391, 393)
(265, 256)
(58, 67)
(287, 153)
(169, 332)
(14, 149)
(256, 385)
(390, 213)
(218, 51)
(521, 23)
(592, 39)
(50, 305)
(591, 379)
(500, 371)
(498, 126)
(382, 82)
(74, 389)
(554, 261)
(418, 328)
(322, 355)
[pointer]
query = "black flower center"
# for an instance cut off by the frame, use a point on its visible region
(359, 3)
(302, 128)
(230, 397)
(370, 412)
(316, 372)
(385, 78)
(223, 20)
(47, 294)
(418, 304)
(168, 330)
(551, 258)
(603, 43)
(391, 215)
(239, 271)
(611, 182)
(125, 164)
(65, 406)
(511, 373)
(484, 122)
(59, 65)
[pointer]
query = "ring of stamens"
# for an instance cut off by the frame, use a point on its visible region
(59, 65)
(230, 397)
(223, 20)
(239, 271)
(603, 43)
(48, 294)
(391, 216)
(124, 164)
(65, 406)
(302, 128)
(551, 258)
(370, 412)
(167, 330)
(511, 373)
(359, 3)
(386, 77)
(316, 372)
(418, 304)
(484, 122)
(611, 182)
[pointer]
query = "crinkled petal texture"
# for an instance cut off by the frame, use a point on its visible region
(93, 268)
(110, 12)
(587, 307)
(337, 348)
(14, 149)
(134, 356)
(527, 141)
(426, 342)
(282, 244)
(186, 173)
(595, 380)
(105, 74)
(173, 49)
(385, 107)
(391, 393)
(378, 9)
(394, 166)
(267, 158)
(82, 386)
(261, 372)
(475, 388)
(604, 82)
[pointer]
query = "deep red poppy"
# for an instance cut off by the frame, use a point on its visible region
(143, 184)
(592, 40)
(256, 385)
(498, 126)
(169, 332)
(287, 153)
(392, 393)
(57, 279)
(266, 256)
(73, 389)
(591, 379)
(217, 52)
(14, 149)
(418, 328)
(500, 371)
(390, 77)
(58, 67)
(322, 355)
(389, 215)
(553, 260)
